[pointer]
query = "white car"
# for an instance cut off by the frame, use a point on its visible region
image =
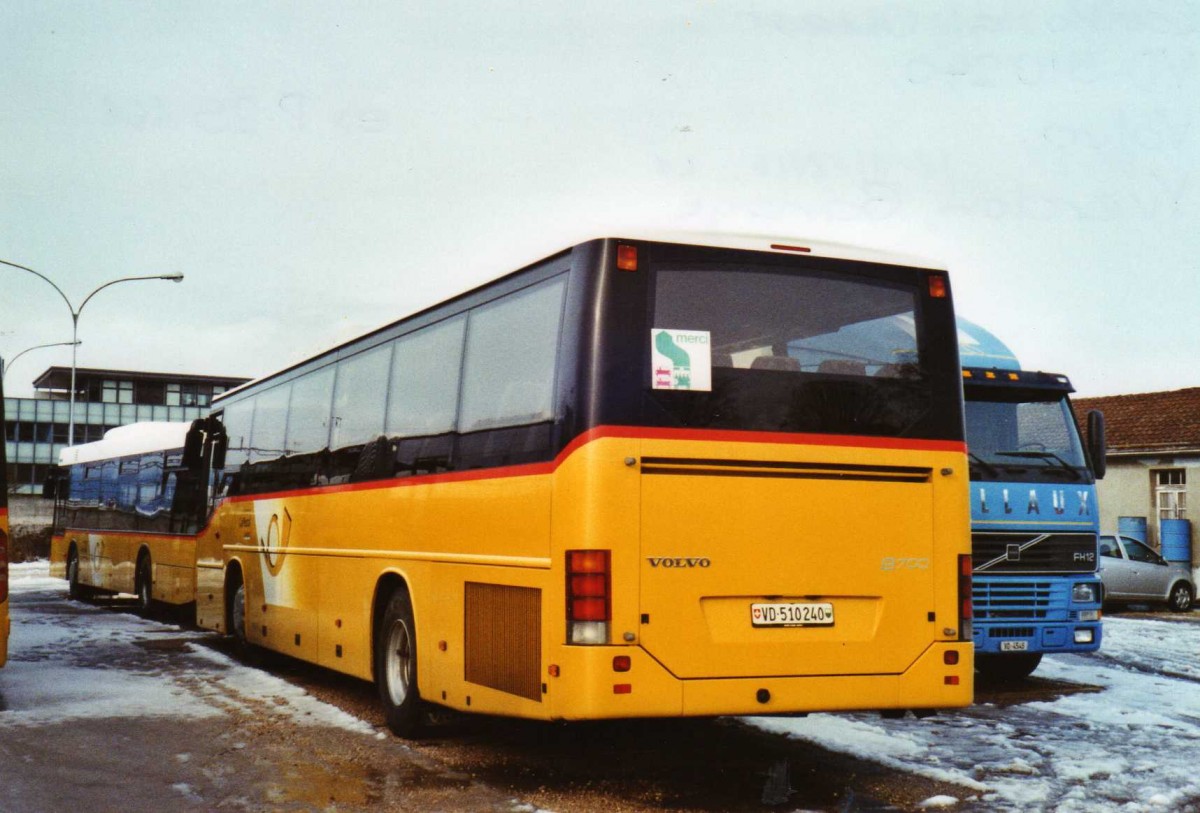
(1132, 571)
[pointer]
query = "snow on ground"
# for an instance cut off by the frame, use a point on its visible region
(67, 667)
(1132, 747)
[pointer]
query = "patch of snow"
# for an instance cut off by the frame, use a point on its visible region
(939, 801)
(68, 667)
(1130, 748)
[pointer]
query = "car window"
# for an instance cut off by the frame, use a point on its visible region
(1108, 547)
(1139, 552)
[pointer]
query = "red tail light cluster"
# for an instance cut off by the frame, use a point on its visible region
(966, 609)
(3, 566)
(589, 596)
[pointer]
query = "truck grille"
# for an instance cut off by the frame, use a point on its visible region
(1024, 552)
(1016, 599)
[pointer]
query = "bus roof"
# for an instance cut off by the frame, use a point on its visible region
(131, 439)
(743, 242)
(785, 245)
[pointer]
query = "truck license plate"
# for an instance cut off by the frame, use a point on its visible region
(1014, 646)
(792, 614)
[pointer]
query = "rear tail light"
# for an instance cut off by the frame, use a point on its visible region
(589, 602)
(966, 611)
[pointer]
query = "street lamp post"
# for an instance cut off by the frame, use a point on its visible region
(75, 323)
(4, 365)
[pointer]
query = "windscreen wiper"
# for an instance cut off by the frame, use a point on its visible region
(1053, 461)
(983, 464)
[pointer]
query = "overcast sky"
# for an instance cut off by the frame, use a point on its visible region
(317, 170)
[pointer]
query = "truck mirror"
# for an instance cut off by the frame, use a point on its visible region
(1097, 445)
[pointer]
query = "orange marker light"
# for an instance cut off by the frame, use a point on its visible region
(938, 289)
(627, 258)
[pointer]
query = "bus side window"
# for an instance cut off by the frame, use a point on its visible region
(512, 345)
(425, 373)
(359, 397)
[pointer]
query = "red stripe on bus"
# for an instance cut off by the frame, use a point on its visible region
(137, 534)
(627, 432)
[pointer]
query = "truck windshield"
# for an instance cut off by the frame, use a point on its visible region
(788, 349)
(1023, 436)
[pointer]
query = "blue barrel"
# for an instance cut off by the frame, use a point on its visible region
(1177, 540)
(1132, 526)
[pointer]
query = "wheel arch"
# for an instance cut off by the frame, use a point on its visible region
(388, 583)
(233, 572)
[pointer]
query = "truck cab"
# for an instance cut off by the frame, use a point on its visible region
(1034, 519)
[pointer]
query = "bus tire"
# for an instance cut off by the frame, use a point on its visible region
(144, 584)
(1180, 600)
(236, 592)
(75, 590)
(1007, 668)
(396, 666)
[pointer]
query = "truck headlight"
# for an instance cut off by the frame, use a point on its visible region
(1084, 593)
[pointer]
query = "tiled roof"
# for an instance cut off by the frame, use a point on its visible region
(1148, 421)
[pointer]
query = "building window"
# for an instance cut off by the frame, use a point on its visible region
(186, 395)
(1170, 493)
(117, 392)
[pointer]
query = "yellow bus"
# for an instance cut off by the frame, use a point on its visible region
(4, 620)
(638, 478)
(126, 513)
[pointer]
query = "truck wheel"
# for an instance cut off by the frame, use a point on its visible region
(396, 666)
(1181, 598)
(1006, 668)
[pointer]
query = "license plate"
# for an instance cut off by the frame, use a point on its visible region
(1014, 646)
(791, 614)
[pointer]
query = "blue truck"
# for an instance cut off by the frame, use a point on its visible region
(1034, 520)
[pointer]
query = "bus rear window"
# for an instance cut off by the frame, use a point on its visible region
(784, 321)
(784, 349)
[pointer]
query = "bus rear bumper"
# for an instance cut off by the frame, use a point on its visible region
(648, 690)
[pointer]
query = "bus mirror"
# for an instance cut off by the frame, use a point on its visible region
(219, 443)
(193, 446)
(50, 486)
(1097, 445)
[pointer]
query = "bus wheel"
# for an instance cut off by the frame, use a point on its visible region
(396, 666)
(75, 590)
(144, 585)
(237, 620)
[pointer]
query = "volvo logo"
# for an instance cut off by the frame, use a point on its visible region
(689, 561)
(1012, 553)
